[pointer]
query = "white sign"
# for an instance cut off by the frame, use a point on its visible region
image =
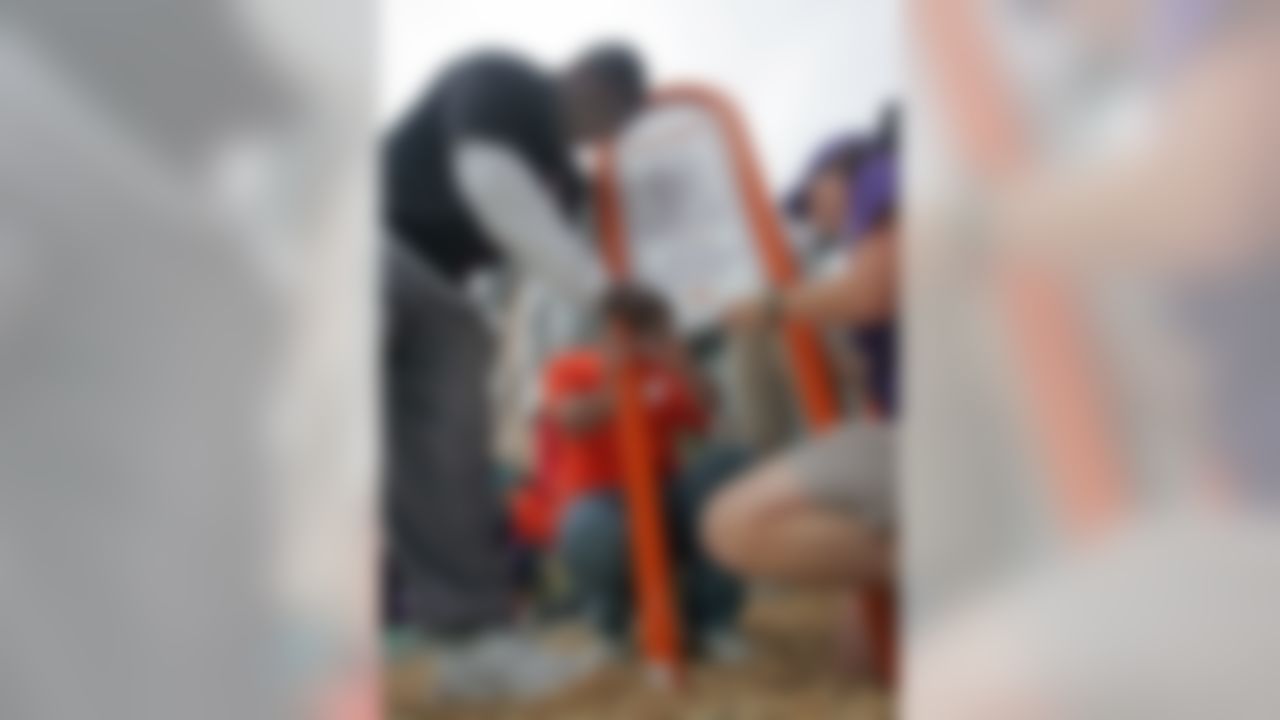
(687, 228)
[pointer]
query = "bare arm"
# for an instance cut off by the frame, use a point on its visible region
(864, 293)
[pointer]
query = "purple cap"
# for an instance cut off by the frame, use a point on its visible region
(875, 192)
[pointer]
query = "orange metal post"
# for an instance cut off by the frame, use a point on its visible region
(660, 636)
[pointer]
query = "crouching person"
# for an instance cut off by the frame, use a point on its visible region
(591, 533)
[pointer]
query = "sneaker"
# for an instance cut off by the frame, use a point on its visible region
(507, 664)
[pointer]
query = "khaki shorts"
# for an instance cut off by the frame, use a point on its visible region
(851, 469)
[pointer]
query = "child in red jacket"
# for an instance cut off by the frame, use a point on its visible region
(589, 515)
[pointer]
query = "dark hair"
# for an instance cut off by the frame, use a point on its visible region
(615, 69)
(636, 308)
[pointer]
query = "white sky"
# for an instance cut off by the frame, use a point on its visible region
(801, 70)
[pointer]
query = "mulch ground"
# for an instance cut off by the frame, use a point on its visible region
(795, 673)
